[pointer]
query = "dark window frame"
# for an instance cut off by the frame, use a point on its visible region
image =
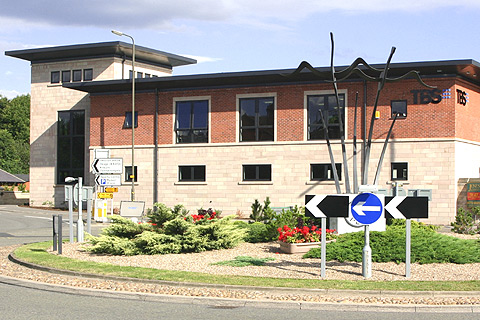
(260, 129)
(70, 132)
(316, 170)
(66, 76)
(247, 171)
(77, 75)
(88, 74)
(193, 173)
(402, 113)
(194, 134)
(55, 77)
(401, 167)
(329, 112)
(127, 122)
(128, 172)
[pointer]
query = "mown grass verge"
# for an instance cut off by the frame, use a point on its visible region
(37, 253)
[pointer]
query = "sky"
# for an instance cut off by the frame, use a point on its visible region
(244, 35)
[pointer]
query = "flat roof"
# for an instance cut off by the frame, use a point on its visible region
(468, 69)
(100, 49)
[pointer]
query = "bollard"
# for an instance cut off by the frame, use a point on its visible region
(57, 233)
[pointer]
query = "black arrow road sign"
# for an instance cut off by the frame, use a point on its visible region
(322, 206)
(401, 207)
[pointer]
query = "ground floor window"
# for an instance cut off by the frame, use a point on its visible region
(257, 172)
(128, 174)
(70, 144)
(324, 172)
(191, 173)
(399, 171)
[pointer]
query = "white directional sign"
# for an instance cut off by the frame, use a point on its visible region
(110, 165)
(110, 180)
(402, 207)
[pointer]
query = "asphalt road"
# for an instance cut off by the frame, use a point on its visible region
(20, 225)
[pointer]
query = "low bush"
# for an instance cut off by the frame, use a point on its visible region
(465, 221)
(427, 246)
(169, 231)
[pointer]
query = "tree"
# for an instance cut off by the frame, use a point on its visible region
(15, 134)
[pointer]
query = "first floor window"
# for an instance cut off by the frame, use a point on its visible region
(257, 172)
(66, 76)
(127, 123)
(399, 108)
(55, 77)
(399, 171)
(257, 119)
(191, 173)
(128, 174)
(324, 172)
(87, 74)
(191, 121)
(326, 105)
(70, 144)
(77, 75)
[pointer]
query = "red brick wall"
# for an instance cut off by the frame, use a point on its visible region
(423, 120)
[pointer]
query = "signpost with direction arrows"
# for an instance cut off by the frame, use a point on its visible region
(107, 165)
(366, 208)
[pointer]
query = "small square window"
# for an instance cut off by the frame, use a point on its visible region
(55, 77)
(128, 120)
(66, 76)
(191, 173)
(257, 172)
(128, 174)
(77, 75)
(399, 108)
(130, 74)
(148, 75)
(399, 171)
(324, 172)
(87, 74)
(139, 75)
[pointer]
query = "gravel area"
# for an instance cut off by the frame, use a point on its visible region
(284, 266)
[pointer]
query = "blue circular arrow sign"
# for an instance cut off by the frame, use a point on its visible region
(366, 208)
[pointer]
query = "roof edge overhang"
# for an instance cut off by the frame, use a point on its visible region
(466, 69)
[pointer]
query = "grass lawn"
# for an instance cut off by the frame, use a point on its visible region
(37, 253)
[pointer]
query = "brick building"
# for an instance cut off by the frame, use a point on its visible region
(224, 140)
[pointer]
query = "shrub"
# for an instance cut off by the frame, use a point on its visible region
(106, 244)
(160, 214)
(125, 228)
(157, 243)
(257, 232)
(465, 221)
(427, 247)
(261, 213)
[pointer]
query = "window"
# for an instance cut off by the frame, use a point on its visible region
(77, 75)
(191, 124)
(399, 171)
(55, 77)
(326, 105)
(128, 174)
(87, 74)
(128, 120)
(191, 173)
(139, 75)
(324, 172)
(399, 107)
(148, 75)
(70, 144)
(256, 119)
(130, 74)
(257, 172)
(66, 76)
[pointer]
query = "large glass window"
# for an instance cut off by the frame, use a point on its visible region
(256, 119)
(70, 145)
(191, 121)
(326, 105)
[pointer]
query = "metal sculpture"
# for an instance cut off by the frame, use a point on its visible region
(380, 76)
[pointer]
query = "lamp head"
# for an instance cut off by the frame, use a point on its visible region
(118, 33)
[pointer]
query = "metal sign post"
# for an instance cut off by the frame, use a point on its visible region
(80, 228)
(367, 254)
(323, 206)
(69, 198)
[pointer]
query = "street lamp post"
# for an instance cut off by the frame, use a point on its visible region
(132, 176)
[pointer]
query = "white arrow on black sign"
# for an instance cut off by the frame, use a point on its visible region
(323, 206)
(402, 207)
